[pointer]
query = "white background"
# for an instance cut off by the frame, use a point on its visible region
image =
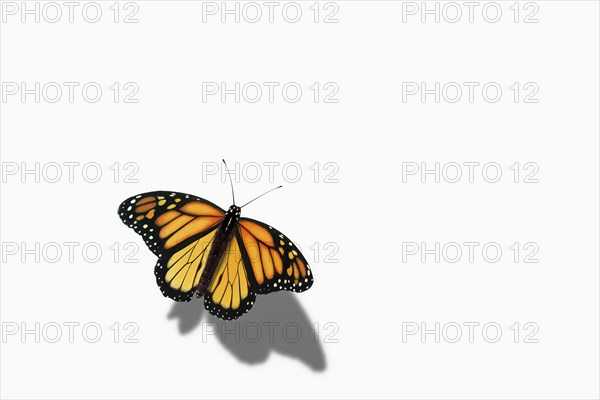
(370, 297)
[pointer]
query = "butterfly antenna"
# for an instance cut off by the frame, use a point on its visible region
(256, 198)
(230, 181)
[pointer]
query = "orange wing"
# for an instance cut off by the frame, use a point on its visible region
(230, 292)
(273, 261)
(258, 260)
(179, 229)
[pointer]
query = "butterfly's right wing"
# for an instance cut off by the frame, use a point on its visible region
(274, 260)
(258, 260)
(179, 229)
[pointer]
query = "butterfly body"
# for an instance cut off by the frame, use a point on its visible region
(224, 234)
(218, 255)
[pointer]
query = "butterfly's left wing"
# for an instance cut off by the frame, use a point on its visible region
(179, 228)
(258, 260)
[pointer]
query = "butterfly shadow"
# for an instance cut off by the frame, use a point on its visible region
(277, 323)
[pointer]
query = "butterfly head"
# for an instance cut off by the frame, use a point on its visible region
(234, 211)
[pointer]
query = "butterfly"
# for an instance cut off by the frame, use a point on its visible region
(214, 253)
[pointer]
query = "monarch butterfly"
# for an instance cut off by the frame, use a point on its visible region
(216, 254)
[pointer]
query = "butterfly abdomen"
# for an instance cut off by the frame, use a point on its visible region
(223, 235)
